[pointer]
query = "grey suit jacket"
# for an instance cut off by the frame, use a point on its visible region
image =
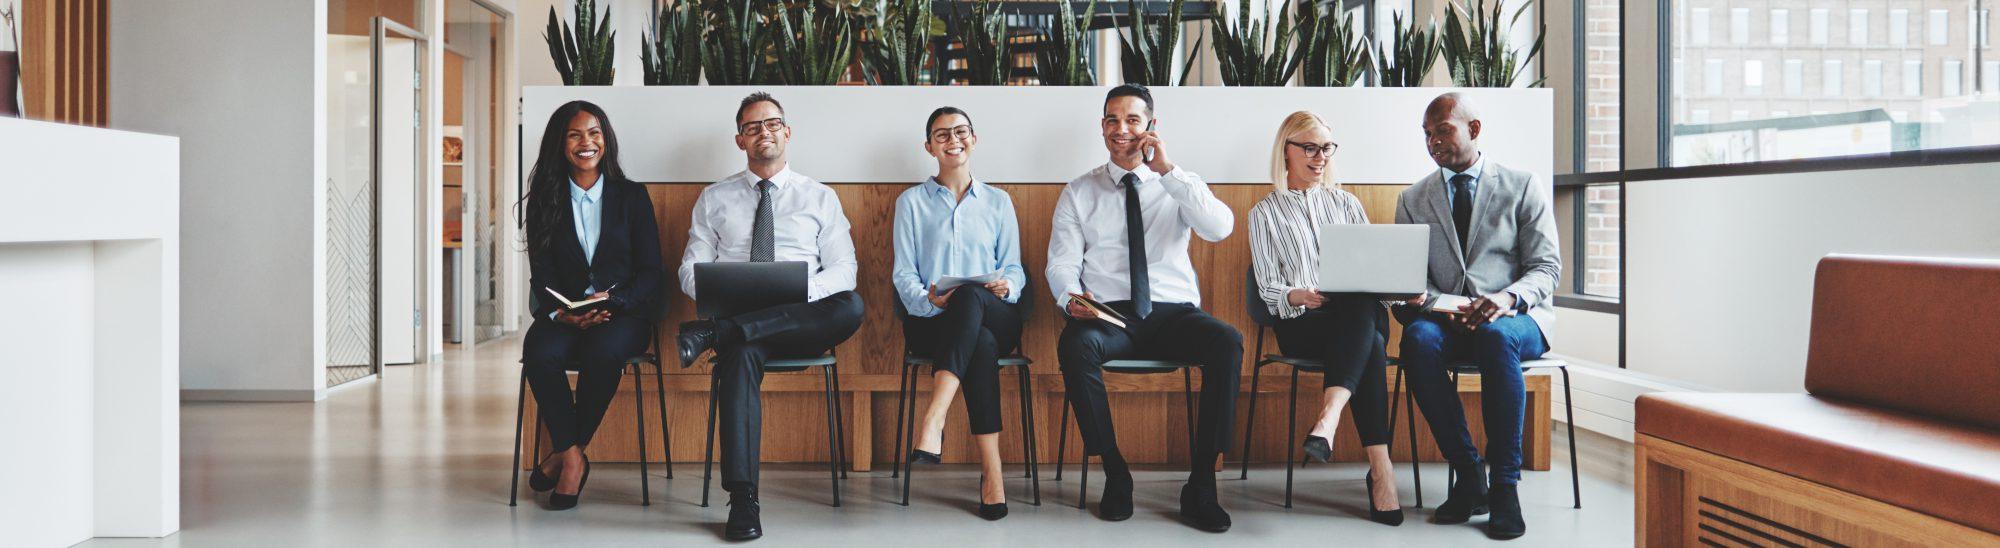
(1513, 236)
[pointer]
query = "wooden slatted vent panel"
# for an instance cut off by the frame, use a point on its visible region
(1721, 524)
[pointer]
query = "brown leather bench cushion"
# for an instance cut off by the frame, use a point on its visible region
(1919, 335)
(1945, 470)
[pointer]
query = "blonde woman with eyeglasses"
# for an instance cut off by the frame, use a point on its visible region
(1347, 332)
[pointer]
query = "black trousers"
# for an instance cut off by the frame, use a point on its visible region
(597, 354)
(1349, 334)
(1175, 331)
(967, 339)
(799, 330)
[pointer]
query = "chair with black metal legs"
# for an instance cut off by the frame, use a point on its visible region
(651, 357)
(1129, 367)
(906, 404)
(1569, 411)
(836, 430)
(1253, 302)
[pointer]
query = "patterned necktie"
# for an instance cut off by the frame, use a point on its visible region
(1135, 249)
(1461, 207)
(763, 241)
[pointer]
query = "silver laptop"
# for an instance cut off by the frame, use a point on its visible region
(1388, 262)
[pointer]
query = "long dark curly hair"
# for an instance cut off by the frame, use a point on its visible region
(540, 210)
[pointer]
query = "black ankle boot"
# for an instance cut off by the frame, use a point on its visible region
(1200, 510)
(1506, 522)
(1468, 496)
(1116, 502)
(695, 338)
(745, 517)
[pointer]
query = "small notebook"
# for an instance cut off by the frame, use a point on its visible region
(577, 306)
(1103, 312)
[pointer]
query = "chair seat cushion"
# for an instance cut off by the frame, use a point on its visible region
(1004, 361)
(1301, 364)
(1947, 470)
(1144, 366)
(797, 364)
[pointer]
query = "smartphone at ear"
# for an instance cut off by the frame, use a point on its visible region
(1149, 150)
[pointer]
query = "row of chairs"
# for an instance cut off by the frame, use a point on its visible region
(906, 403)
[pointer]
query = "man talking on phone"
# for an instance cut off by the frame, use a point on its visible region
(1120, 238)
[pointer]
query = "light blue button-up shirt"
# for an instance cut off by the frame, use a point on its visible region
(1478, 168)
(587, 208)
(938, 235)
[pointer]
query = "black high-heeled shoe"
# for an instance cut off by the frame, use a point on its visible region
(920, 456)
(539, 481)
(559, 501)
(992, 512)
(1319, 449)
(1392, 518)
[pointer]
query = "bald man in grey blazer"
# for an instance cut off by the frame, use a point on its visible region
(1493, 240)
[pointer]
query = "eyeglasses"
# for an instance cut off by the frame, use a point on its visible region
(760, 127)
(1313, 150)
(960, 132)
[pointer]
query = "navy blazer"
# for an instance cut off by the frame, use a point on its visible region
(627, 254)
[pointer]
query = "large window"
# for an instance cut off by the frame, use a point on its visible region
(1915, 78)
(1594, 251)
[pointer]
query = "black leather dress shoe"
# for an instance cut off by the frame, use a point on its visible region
(1506, 522)
(920, 456)
(1468, 496)
(1116, 503)
(745, 518)
(695, 338)
(1318, 448)
(1200, 510)
(993, 512)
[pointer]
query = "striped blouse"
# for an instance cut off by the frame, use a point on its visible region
(1284, 240)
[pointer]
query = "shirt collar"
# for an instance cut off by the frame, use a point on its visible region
(596, 192)
(1478, 168)
(779, 181)
(1117, 174)
(971, 191)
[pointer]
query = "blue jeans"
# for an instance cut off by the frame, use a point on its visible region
(1430, 344)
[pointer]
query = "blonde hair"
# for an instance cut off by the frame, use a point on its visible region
(1295, 124)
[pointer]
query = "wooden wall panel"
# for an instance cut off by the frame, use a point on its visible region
(64, 67)
(1149, 410)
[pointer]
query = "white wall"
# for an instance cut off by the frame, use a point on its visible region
(859, 134)
(1719, 271)
(248, 101)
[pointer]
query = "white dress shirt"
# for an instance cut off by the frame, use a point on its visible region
(810, 227)
(1087, 251)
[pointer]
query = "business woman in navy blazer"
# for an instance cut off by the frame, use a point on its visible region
(591, 233)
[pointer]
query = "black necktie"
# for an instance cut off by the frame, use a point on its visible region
(763, 241)
(1461, 207)
(1135, 249)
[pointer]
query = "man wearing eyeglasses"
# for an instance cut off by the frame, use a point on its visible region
(765, 213)
(1493, 241)
(1120, 238)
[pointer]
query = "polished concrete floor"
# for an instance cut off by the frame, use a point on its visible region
(420, 457)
